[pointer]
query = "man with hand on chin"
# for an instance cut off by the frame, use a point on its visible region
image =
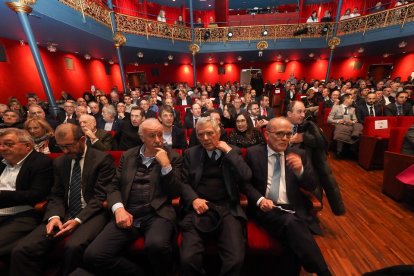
(140, 196)
(211, 174)
(75, 207)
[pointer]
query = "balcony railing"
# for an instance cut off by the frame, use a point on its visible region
(150, 28)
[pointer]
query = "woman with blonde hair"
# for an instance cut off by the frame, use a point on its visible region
(43, 135)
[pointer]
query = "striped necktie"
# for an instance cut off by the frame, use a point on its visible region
(274, 188)
(75, 205)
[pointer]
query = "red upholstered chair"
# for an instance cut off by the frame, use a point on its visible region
(116, 154)
(396, 138)
(188, 132)
(327, 129)
(229, 130)
(374, 141)
(395, 163)
(405, 121)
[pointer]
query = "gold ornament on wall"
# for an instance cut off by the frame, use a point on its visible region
(119, 39)
(194, 48)
(262, 45)
(21, 6)
(333, 42)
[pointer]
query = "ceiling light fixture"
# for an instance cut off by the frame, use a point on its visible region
(87, 56)
(361, 50)
(230, 34)
(287, 60)
(402, 44)
(165, 63)
(51, 47)
(221, 63)
(311, 55)
(111, 62)
(386, 55)
(260, 53)
(279, 56)
(140, 54)
(265, 32)
(21, 42)
(170, 57)
(239, 58)
(136, 63)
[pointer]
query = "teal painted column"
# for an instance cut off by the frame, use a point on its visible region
(22, 9)
(192, 41)
(120, 40)
(337, 17)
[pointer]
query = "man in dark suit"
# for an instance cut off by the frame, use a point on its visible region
(408, 142)
(334, 99)
(211, 174)
(400, 107)
(75, 207)
(95, 111)
(148, 113)
(128, 137)
(69, 115)
(140, 196)
(173, 135)
(191, 118)
(215, 114)
(183, 98)
(265, 111)
(25, 179)
(370, 108)
(276, 203)
(109, 120)
(95, 138)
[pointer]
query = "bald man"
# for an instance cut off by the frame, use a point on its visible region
(276, 202)
(139, 197)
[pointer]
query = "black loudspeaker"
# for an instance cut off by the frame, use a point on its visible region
(155, 72)
(221, 70)
(280, 68)
(3, 57)
(357, 65)
(69, 64)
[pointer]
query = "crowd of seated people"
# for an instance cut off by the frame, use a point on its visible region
(201, 122)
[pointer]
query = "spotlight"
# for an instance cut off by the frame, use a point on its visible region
(260, 53)
(239, 58)
(140, 55)
(87, 56)
(170, 57)
(325, 29)
(111, 62)
(207, 35)
(265, 32)
(230, 34)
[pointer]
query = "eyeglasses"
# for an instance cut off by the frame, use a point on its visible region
(10, 144)
(281, 134)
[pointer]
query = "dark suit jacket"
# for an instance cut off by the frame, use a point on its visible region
(391, 110)
(98, 170)
(178, 101)
(408, 142)
(328, 104)
(150, 114)
(362, 111)
(33, 182)
(127, 138)
(270, 113)
(189, 121)
(61, 116)
(235, 171)
(104, 140)
(116, 126)
(256, 158)
(164, 188)
(178, 138)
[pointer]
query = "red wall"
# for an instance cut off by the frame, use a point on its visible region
(19, 75)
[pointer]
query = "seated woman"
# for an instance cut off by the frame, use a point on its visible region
(245, 135)
(228, 119)
(43, 135)
(347, 129)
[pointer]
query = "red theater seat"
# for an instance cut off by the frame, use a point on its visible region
(405, 121)
(116, 154)
(396, 138)
(374, 141)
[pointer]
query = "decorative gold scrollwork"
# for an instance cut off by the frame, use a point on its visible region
(194, 48)
(333, 42)
(119, 39)
(262, 45)
(21, 6)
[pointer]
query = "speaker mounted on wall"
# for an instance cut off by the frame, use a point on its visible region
(357, 65)
(221, 70)
(69, 64)
(3, 57)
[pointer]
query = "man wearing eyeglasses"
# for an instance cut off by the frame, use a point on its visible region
(75, 208)
(275, 201)
(25, 179)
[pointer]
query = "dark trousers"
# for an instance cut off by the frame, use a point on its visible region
(231, 243)
(30, 253)
(15, 227)
(294, 233)
(105, 255)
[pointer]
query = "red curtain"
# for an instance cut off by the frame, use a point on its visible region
(171, 13)
(129, 7)
(351, 4)
(204, 15)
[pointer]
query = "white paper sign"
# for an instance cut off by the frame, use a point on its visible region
(277, 91)
(381, 124)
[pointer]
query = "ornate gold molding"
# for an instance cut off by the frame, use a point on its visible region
(21, 6)
(119, 39)
(333, 42)
(262, 45)
(194, 48)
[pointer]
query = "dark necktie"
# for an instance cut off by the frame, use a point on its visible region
(371, 111)
(274, 188)
(75, 205)
(294, 129)
(400, 110)
(346, 111)
(213, 156)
